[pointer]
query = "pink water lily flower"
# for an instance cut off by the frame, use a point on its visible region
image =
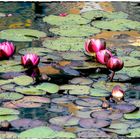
(103, 56)
(30, 60)
(63, 14)
(115, 64)
(117, 92)
(6, 49)
(95, 45)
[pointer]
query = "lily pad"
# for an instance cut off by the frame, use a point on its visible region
(45, 132)
(97, 92)
(81, 81)
(8, 87)
(75, 30)
(135, 54)
(8, 135)
(9, 62)
(10, 96)
(23, 80)
(23, 124)
(30, 91)
(8, 117)
(78, 92)
(71, 19)
(61, 100)
(93, 123)
(91, 15)
(64, 44)
(65, 120)
(119, 125)
(7, 111)
(134, 115)
(48, 87)
(134, 133)
(21, 34)
(3, 82)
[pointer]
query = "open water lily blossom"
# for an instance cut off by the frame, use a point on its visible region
(117, 92)
(103, 56)
(6, 50)
(30, 60)
(115, 64)
(93, 45)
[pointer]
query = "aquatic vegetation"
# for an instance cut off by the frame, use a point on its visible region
(30, 60)
(6, 50)
(63, 14)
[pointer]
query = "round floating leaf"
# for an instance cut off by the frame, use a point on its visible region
(61, 100)
(75, 30)
(48, 87)
(135, 102)
(107, 114)
(70, 19)
(93, 123)
(64, 44)
(125, 108)
(121, 77)
(134, 115)
(21, 34)
(8, 118)
(30, 91)
(119, 125)
(64, 120)
(51, 57)
(39, 51)
(9, 62)
(23, 124)
(89, 102)
(97, 92)
(45, 132)
(81, 81)
(8, 87)
(84, 114)
(103, 14)
(8, 135)
(73, 55)
(134, 133)
(78, 91)
(23, 80)
(10, 96)
(56, 108)
(3, 82)
(7, 111)
(135, 53)
(90, 134)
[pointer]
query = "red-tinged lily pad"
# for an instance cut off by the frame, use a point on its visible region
(65, 120)
(89, 102)
(19, 104)
(125, 108)
(8, 135)
(56, 127)
(107, 115)
(23, 124)
(90, 134)
(93, 123)
(61, 100)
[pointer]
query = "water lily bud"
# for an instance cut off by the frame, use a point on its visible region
(117, 93)
(103, 56)
(93, 46)
(115, 64)
(30, 60)
(6, 50)
(63, 14)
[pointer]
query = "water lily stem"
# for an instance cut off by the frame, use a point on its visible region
(112, 75)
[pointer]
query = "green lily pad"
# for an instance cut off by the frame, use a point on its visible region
(109, 85)
(8, 135)
(7, 111)
(117, 25)
(3, 82)
(71, 19)
(102, 14)
(23, 80)
(21, 34)
(75, 30)
(48, 87)
(8, 87)
(9, 62)
(10, 96)
(119, 125)
(30, 91)
(8, 118)
(121, 77)
(78, 91)
(134, 133)
(133, 115)
(135, 54)
(64, 44)
(97, 92)
(39, 51)
(64, 120)
(44, 133)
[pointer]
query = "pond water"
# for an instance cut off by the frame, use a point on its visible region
(64, 96)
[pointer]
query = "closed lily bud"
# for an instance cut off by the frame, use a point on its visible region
(115, 64)
(103, 56)
(6, 50)
(30, 60)
(93, 45)
(63, 14)
(117, 93)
